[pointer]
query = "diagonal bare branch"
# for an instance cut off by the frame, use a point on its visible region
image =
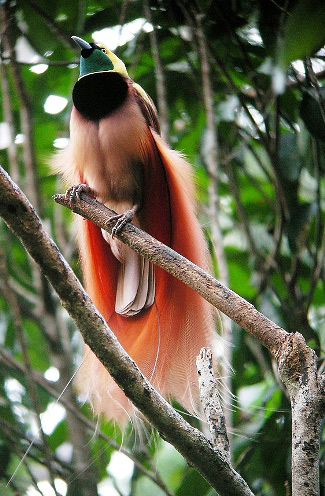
(239, 310)
(297, 362)
(22, 219)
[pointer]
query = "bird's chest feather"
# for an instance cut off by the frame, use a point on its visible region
(109, 153)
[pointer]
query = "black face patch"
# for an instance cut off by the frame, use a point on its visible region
(99, 94)
(86, 52)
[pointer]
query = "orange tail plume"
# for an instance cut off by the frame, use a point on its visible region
(165, 339)
(115, 149)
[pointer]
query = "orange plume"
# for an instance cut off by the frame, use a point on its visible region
(160, 322)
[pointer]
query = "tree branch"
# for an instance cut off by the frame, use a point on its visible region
(8, 117)
(297, 361)
(277, 340)
(160, 77)
(20, 216)
(298, 370)
(213, 168)
(238, 309)
(25, 107)
(211, 403)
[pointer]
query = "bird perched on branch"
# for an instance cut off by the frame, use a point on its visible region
(116, 153)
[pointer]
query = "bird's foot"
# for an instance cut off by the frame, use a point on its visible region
(75, 191)
(121, 220)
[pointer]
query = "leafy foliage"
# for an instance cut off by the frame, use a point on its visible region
(271, 131)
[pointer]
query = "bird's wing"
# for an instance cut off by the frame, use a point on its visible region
(146, 105)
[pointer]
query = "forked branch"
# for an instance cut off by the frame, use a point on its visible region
(22, 219)
(297, 361)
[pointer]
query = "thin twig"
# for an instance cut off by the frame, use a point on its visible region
(316, 273)
(25, 108)
(160, 77)
(211, 402)
(241, 212)
(81, 19)
(13, 434)
(43, 60)
(211, 159)
(9, 118)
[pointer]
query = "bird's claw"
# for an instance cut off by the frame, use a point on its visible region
(75, 191)
(120, 221)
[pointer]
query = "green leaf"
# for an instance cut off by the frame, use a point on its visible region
(170, 465)
(240, 275)
(37, 346)
(289, 161)
(101, 17)
(300, 217)
(5, 454)
(144, 485)
(193, 484)
(303, 31)
(288, 166)
(310, 112)
(58, 436)
(5, 490)
(10, 336)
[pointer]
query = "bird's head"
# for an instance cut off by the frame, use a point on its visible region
(101, 87)
(98, 58)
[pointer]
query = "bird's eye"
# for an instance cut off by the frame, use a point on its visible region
(103, 50)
